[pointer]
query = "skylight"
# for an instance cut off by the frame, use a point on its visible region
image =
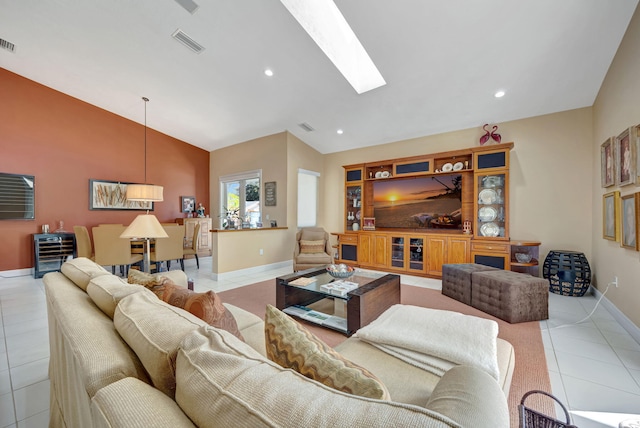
(324, 22)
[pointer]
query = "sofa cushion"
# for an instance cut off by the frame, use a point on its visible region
(314, 259)
(154, 329)
(292, 346)
(311, 247)
(85, 348)
(206, 306)
(237, 384)
(311, 234)
(149, 280)
(132, 403)
(470, 397)
(81, 270)
(107, 290)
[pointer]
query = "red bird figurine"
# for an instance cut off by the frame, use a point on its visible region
(496, 137)
(486, 136)
(490, 134)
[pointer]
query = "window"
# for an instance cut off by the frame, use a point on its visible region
(240, 197)
(307, 197)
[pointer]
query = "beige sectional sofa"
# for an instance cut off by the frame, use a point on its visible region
(121, 357)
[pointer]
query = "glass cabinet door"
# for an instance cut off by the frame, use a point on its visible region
(397, 252)
(353, 207)
(491, 203)
(416, 254)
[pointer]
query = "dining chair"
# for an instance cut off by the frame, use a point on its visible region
(193, 249)
(83, 242)
(111, 250)
(168, 249)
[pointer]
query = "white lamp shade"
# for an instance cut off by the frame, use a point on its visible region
(144, 192)
(145, 226)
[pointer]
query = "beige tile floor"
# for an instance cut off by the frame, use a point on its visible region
(594, 366)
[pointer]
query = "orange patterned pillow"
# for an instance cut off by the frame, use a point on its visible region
(206, 306)
(311, 247)
(292, 346)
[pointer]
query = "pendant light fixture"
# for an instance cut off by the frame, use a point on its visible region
(145, 192)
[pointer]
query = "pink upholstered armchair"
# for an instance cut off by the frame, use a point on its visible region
(312, 248)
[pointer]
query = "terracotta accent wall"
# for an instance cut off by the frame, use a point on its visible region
(64, 142)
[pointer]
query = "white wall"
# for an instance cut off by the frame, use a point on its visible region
(617, 107)
(551, 174)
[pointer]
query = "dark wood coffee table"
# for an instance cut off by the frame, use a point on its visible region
(375, 294)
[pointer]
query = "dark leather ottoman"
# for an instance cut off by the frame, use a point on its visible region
(456, 280)
(510, 296)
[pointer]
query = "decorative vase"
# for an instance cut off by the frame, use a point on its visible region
(355, 226)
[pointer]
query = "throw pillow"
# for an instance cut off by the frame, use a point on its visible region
(145, 279)
(206, 306)
(292, 346)
(311, 247)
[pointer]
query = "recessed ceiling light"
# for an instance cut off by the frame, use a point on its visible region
(326, 25)
(340, 131)
(499, 94)
(268, 72)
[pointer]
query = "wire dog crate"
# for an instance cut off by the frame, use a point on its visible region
(530, 418)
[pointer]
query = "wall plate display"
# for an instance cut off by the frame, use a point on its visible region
(487, 214)
(490, 230)
(488, 196)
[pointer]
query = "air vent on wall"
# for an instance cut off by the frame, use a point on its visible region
(7, 45)
(189, 5)
(306, 127)
(182, 37)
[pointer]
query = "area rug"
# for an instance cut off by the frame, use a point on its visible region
(530, 370)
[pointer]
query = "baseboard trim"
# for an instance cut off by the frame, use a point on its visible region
(252, 270)
(16, 273)
(617, 314)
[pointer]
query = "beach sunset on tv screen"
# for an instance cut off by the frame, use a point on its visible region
(418, 202)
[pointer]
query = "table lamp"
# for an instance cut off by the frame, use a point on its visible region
(145, 226)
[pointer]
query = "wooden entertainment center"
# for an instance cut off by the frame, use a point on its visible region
(480, 177)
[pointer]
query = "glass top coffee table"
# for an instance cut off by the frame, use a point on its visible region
(320, 303)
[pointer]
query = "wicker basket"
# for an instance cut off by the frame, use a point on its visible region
(530, 418)
(568, 273)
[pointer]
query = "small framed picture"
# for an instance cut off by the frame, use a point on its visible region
(611, 216)
(368, 223)
(630, 204)
(188, 203)
(625, 157)
(606, 162)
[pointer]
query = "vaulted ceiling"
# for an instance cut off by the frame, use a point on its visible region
(442, 61)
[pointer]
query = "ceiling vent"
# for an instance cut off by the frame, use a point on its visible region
(306, 127)
(182, 37)
(189, 5)
(7, 45)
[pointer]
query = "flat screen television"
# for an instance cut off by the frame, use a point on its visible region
(17, 197)
(419, 202)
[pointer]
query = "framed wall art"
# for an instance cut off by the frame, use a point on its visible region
(270, 194)
(368, 223)
(625, 157)
(635, 140)
(188, 204)
(629, 212)
(112, 195)
(607, 169)
(611, 216)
